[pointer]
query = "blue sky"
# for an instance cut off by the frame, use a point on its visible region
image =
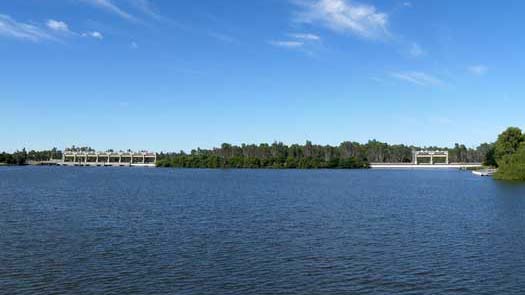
(170, 75)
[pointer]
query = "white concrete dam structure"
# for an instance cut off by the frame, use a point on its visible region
(424, 166)
(120, 159)
(432, 163)
(431, 155)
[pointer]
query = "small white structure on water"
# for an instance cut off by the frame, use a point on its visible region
(485, 172)
(431, 164)
(429, 155)
(123, 159)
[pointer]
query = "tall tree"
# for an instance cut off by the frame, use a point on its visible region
(512, 166)
(508, 142)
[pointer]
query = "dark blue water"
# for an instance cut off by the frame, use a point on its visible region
(158, 231)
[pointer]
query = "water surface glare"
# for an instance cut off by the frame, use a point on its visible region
(156, 231)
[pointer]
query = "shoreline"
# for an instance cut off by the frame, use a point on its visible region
(424, 166)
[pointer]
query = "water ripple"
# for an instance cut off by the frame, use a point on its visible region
(165, 231)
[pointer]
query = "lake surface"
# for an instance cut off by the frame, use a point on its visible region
(157, 231)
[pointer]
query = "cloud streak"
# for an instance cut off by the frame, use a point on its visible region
(23, 31)
(417, 78)
(51, 30)
(148, 9)
(344, 16)
(287, 44)
(307, 37)
(95, 34)
(296, 40)
(109, 6)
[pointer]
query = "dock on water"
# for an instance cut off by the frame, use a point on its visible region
(484, 172)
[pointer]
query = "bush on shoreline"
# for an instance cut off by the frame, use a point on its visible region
(512, 166)
(509, 155)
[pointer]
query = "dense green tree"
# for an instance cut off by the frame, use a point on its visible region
(512, 166)
(6, 158)
(277, 155)
(488, 150)
(20, 157)
(508, 143)
(44, 155)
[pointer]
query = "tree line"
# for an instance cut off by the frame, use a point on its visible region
(308, 156)
(507, 154)
(22, 157)
(348, 154)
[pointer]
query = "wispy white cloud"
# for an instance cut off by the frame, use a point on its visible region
(108, 5)
(417, 78)
(52, 29)
(58, 26)
(24, 31)
(416, 50)
(297, 40)
(133, 45)
(286, 44)
(478, 70)
(345, 16)
(147, 7)
(95, 34)
(62, 27)
(306, 36)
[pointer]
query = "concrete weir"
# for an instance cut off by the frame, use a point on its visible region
(433, 163)
(111, 159)
(424, 166)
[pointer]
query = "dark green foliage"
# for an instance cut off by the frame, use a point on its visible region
(6, 158)
(276, 155)
(508, 143)
(44, 155)
(490, 158)
(509, 153)
(22, 157)
(17, 158)
(512, 166)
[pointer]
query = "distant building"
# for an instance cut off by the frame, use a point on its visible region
(92, 158)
